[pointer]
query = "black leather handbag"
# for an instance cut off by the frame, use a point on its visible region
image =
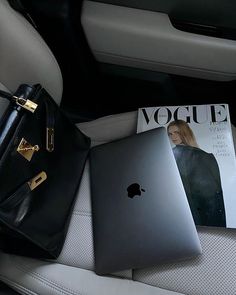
(42, 157)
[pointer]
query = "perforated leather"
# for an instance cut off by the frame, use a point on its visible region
(39, 277)
(77, 253)
(213, 273)
(78, 247)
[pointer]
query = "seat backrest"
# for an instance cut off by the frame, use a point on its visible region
(24, 56)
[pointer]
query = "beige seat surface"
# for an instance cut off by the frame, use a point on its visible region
(212, 273)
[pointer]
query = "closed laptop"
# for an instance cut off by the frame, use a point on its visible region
(141, 216)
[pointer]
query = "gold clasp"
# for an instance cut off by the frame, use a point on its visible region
(26, 104)
(26, 149)
(37, 180)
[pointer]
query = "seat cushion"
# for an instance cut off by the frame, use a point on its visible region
(73, 272)
(212, 273)
(39, 277)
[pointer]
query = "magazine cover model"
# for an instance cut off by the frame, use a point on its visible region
(202, 144)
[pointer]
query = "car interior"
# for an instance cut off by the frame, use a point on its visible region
(101, 60)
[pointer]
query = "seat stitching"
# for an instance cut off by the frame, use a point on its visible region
(19, 287)
(82, 213)
(46, 281)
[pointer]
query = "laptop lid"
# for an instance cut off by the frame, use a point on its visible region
(141, 216)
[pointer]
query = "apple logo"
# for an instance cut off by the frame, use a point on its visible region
(134, 190)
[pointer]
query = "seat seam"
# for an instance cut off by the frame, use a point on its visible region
(152, 62)
(46, 281)
(18, 287)
(82, 213)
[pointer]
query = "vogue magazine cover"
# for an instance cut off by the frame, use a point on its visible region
(202, 143)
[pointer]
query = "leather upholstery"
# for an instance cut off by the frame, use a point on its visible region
(213, 273)
(24, 56)
(38, 277)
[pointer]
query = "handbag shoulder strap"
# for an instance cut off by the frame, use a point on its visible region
(6, 95)
(29, 105)
(19, 99)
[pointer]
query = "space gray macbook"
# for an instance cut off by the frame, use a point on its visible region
(141, 216)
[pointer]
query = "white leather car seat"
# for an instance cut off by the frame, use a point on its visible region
(25, 58)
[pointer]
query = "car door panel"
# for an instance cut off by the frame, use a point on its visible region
(219, 13)
(148, 40)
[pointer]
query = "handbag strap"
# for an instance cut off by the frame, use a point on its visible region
(50, 117)
(21, 101)
(23, 191)
(6, 95)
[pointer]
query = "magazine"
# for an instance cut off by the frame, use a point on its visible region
(202, 142)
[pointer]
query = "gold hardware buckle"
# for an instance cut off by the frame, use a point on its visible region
(26, 149)
(26, 104)
(37, 180)
(50, 139)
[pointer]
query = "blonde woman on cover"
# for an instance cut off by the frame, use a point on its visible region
(200, 175)
(180, 133)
